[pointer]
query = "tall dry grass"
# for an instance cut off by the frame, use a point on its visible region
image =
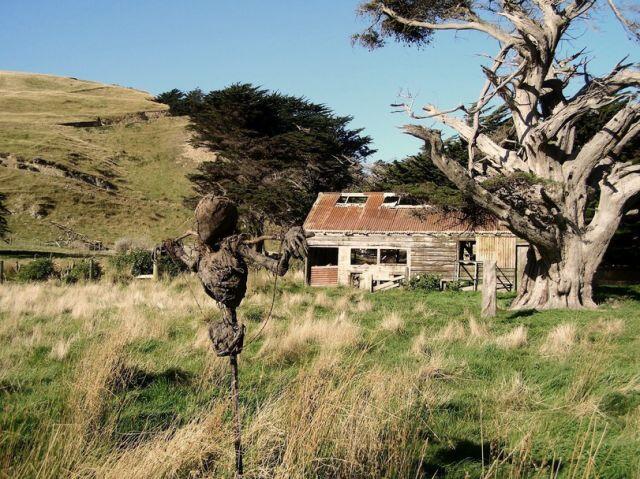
(296, 337)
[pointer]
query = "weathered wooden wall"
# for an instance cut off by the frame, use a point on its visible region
(435, 253)
(501, 248)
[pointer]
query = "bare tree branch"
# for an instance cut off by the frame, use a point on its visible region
(632, 28)
(613, 136)
(478, 25)
(460, 177)
(506, 159)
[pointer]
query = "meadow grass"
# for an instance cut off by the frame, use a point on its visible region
(118, 380)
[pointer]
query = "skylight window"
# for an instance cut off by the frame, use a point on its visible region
(391, 200)
(352, 200)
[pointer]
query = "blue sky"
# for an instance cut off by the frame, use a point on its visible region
(298, 47)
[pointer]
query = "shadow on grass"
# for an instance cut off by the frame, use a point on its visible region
(446, 459)
(132, 377)
(605, 292)
(523, 313)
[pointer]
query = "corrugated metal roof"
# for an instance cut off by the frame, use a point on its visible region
(373, 217)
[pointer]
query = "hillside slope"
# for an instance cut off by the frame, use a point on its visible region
(103, 160)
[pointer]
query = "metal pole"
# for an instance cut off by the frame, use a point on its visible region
(236, 414)
(1, 271)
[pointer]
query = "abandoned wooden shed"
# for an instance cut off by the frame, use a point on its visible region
(375, 240)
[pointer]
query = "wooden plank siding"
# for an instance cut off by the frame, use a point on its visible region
(500, 248)
(435, 253)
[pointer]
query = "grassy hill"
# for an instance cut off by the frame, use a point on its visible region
(103, 160)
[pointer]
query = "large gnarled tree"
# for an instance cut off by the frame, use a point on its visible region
(542, 178)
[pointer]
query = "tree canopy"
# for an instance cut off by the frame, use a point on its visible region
(274, 152)
(542, 175)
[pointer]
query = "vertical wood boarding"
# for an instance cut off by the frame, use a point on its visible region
(502, 249)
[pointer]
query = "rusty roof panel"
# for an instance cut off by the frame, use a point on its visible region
(373, 217)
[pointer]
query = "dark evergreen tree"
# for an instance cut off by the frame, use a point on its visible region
(181, 103)
(4, 212)
(275, 152)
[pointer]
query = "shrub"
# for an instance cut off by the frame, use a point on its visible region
(134, 262)
(140, 261)
(425, 282)
(83, 271)
(39, 269)
(171, 267)
(455, 286)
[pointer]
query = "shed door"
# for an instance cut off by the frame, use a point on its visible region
(323, 264)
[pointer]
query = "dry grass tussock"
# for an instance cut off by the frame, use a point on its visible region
(516, 338)
(83, 301)
(478, 330)
(300, 334)
(61, 348)
(607, 328)
(203, 446)
(560, 340)
(335, 422)
(453, 331)
(392, 323)
(513, 393)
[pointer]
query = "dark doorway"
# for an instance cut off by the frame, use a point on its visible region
(323, 256)
(467, 250)
(323, 267)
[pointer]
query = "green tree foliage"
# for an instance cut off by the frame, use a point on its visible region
(424, 10)
(39, 269)
(181, 103)
(419, 179)
(275, 152)
(83, 271)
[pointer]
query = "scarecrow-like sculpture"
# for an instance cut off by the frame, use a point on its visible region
(220, 258)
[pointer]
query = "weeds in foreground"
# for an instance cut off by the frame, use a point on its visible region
(337, 385)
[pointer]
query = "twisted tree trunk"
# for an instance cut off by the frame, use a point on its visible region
(556, 280)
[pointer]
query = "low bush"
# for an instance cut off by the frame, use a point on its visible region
(170, 267)
(455, 286)
(133, 262)
(83, 271)
(140, 261)
(39, 269)
(425, 282)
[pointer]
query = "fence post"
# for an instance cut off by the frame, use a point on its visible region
(90, 269)
(156, 272)
(489, 288)
(1, 271)
(475, 276)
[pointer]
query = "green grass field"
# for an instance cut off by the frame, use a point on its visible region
(146, 161)
(105, 380)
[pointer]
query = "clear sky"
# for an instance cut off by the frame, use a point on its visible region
(300, 47)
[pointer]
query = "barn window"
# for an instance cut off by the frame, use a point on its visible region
(391, 200)
(351, 200)
(467, 251)
(364, 256)
(393, 256)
